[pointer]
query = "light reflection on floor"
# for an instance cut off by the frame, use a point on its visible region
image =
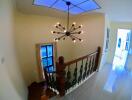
(115, 74)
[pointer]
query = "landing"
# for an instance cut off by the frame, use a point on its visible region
(104, 85)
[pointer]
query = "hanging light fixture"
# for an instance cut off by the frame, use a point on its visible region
(68, 32)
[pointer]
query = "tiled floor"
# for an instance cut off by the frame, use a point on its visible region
(104, 85)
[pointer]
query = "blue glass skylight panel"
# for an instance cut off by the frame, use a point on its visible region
(61, 5)
(76, 10)
(47, 3)
(89, 5)
(85, 5)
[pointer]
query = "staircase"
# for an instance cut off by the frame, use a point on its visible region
(70, 75)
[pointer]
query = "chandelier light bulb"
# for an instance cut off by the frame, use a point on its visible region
(82, 32)
(65, 31)
(52, 32)
(74, 41)
(56, 40)
(74, 23)
(58, 23)
(81, 40)
(80, 26)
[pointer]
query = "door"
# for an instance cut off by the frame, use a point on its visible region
(122, 47)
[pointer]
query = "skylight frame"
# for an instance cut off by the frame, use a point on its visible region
(51, 7)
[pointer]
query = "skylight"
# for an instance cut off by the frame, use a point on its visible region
(77, 6)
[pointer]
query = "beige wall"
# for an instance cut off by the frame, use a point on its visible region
(113, 38)
(32, 29)
(12, 86)
(93, 27)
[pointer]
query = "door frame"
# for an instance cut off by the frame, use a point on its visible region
(41, 75)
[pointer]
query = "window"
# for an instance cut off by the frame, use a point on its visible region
(46, 56)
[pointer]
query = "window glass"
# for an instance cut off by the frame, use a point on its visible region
(51, 69)
(119, 43)
(50, 49)
(44, 62)
(50, 62)
(47, 60)
(43, 52)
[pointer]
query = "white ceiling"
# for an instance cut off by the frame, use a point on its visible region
(117, 10)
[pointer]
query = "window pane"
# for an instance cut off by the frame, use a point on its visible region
(51, 69)
(50, 61)
(50, 48)
(44, 62)
(43, 52)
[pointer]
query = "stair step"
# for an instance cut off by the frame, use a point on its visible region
(39, 91)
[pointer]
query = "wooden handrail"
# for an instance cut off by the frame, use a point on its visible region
(78, 59)
(62, 76)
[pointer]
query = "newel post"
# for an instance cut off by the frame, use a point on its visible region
(60, 77)
(97, 59)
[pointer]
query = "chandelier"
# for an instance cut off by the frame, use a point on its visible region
(68, 32)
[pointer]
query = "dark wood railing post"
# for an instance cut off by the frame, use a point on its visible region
(60, 76)
(97, 61)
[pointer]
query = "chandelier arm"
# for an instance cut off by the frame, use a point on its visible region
(76, 37)
(61, 36)
(61, 29)
(59, 33)
(72, 27)
(74, 32)
(71, 37)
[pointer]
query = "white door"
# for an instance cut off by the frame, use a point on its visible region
(122, 47)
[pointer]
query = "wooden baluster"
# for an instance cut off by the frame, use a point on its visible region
(81, 71)
(90, 66)
(68, 78)
(46, 77)
(60, 76)
(75, 76)
(93, 63)
(53, 81)
(86, 67)
(50, 84)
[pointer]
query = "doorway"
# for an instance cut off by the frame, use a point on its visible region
(46, 57)
(122, 49)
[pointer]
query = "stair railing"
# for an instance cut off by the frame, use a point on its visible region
(70, 75)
